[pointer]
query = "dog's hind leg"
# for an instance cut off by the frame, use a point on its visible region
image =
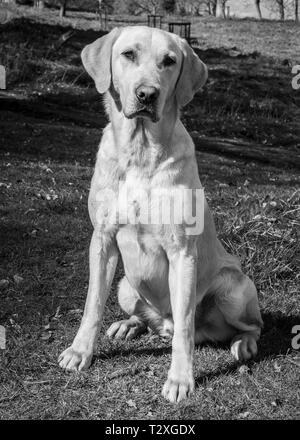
(141, 316)
(246, 320)
(232, 313)
(132, 304)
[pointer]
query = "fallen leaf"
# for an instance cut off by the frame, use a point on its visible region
(244, 415)
(131, 403)
(277, 367)
(75, 311)
(18, 279)
(45, 168)
(244, 369)
(4, 283)
(47, 336)
(57, 314)
(15, 325)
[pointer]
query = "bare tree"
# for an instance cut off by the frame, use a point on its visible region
(281, 7)
(257, 4)
(197, 7)
(169, 6)
(148, 6)
(223, 7)
(296, 5)
(213, 7)
(62, 8)
(208, 7)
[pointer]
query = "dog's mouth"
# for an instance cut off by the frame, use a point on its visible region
(148, 112)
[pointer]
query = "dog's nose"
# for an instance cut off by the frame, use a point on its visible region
(146, 94)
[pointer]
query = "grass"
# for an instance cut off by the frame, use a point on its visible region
(51, 125)
(272, 39)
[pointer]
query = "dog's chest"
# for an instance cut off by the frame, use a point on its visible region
(140, 234)
(139, 208)
(126, 202)
(145, 208)
(145, 261)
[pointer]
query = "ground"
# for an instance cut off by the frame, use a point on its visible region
(246, 129)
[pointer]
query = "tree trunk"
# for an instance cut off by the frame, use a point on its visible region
(209, 8)
(62, 9)
(257, 4)
(214, 8)
(296, 11)
(281, 9)
(281, 12)
(223, 7)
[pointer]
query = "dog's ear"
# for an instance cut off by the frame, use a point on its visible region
(96, 58)
(193, 74)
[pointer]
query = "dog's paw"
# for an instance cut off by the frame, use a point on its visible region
(243, 347)
(75, 360)
(126, 329)
(176, 390)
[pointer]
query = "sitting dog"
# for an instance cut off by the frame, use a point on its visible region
(179, 280)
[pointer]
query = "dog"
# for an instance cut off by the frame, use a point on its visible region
(179, 281)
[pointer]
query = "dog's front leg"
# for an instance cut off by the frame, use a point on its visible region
(103, 261)
(182, 282)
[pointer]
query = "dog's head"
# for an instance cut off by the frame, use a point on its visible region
(146, 67)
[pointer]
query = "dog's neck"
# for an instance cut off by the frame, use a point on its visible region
(139, 142)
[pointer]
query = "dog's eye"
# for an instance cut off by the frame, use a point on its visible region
(129, 54)
(168, 61)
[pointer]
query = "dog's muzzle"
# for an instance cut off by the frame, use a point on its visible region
(146, 98)
(147, 95)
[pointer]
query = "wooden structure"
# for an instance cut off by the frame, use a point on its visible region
(101, 15)
(182, 28)
(155, 21)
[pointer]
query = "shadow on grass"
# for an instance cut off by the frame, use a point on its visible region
(275, 340)
(277, 334)
(145, 351)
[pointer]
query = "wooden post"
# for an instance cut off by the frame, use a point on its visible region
(257, 5)
(223, 8)
(296, 11)
(154, 20)
(184, 29)
(281, 9)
